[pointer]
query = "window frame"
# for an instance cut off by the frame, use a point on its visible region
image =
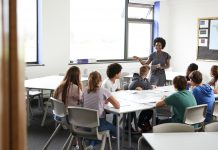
(37, 35)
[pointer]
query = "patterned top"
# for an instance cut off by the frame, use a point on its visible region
(96, 100)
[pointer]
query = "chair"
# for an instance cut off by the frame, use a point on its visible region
(172, 127)
(195, 115)
(211, 127)
(59, 112)
(81, 118)
(215, 110)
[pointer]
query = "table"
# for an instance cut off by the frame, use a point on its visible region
(182, 141)
(132, 101)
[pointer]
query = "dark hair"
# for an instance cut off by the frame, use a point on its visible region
(214, 72)
(144, 69)
(160, 40)
(191, 67)
(113, 69)
(180, 83)
(72, 76)
(196, 76)
(94, 80)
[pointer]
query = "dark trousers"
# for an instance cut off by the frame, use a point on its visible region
(145, 116)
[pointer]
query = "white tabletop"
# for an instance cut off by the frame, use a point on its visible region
(183, 141)
(133, 100)
(47, 83)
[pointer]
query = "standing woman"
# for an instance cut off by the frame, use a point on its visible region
(159, 62)
(70, 89)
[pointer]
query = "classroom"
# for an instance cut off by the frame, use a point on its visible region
(43, 41)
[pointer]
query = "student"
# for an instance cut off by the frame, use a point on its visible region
(159, 61)
(214, 81)
(179, 100)
(191, 67)
(95, 97)
(203, 93)
(140, 82)
(112, 83)
(70, 89)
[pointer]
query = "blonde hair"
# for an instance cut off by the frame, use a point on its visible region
(143, 69)
(94, 80)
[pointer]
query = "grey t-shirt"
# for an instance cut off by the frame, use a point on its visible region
(96, 100)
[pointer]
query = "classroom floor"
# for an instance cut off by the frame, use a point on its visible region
(37, 135)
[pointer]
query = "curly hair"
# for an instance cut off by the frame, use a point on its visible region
(160, 40)
(113, 69)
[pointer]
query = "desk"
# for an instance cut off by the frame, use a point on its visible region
(132, 101)
(182, 141)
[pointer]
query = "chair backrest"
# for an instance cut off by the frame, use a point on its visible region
(172, 127)
(195, 114)
(215, 109)
(84, 122)
(59, 108)
(211, 127)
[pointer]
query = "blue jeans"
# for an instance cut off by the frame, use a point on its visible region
(104, 125)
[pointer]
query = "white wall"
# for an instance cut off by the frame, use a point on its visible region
(179, 24)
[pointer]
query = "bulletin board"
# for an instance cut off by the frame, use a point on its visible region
(207, 39)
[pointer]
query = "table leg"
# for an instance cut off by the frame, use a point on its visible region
(27, 107)
(118, 131)
(123, 131)
(154, 117)
(129, 130)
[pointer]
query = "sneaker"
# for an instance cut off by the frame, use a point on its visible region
(133, 131)
(145, 127)
(90, 147)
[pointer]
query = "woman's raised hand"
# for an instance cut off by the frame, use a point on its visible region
(135, 57)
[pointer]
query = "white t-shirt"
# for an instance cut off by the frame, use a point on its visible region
(216, 85)
(112, 87)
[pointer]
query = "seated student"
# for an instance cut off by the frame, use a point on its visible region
(70, 89)
(179, 100)
(95, 97)
(203, 93)
(214, 81)
(191, 67)
(112, 83)
(140, 82)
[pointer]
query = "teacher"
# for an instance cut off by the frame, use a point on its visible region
(159, 62)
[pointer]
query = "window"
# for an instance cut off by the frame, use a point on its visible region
(27, 29)
(139, 29)
(110, 30)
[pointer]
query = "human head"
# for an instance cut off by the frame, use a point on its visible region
(143, 71)
(195, 77)
(159, 41)
(114, 70)
(94, 81)
(180, 83)
(191, 67)
(73, 75)
(214, 71)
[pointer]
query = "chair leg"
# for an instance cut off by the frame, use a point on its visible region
(103, 142)
(44, 116)
(52, 136)
(70, 143)
(109, 142)
(67, 141)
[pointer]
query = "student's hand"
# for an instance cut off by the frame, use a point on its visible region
(138, 88)
(154, 86)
